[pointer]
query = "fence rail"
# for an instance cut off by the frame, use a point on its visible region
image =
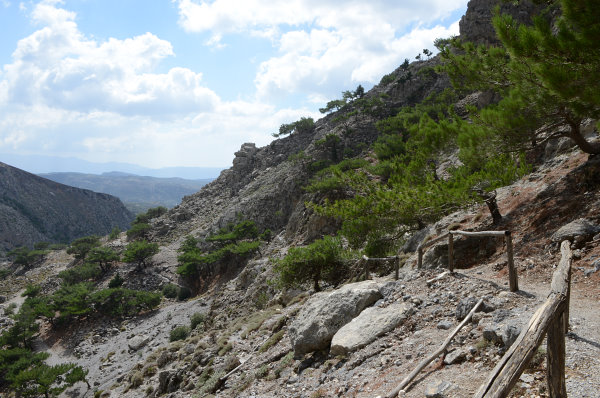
(512, 273)
(550, 319)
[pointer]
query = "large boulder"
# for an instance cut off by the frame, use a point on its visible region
(370, 324)
(325, 313)
(578, 232)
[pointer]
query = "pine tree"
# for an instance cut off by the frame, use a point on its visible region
(546, 75)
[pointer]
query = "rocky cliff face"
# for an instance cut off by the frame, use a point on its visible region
(476, 24)
(34, 209)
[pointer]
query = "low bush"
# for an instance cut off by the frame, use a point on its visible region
(184, 293)
(197, 319)
(116, 281)
(170, 290)
(179, 333)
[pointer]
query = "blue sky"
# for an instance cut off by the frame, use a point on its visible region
(186, 82)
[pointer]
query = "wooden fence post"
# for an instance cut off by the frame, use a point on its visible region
(419, 257)
(555, 350)
(397, 267)
(451, 252)
(512, 272)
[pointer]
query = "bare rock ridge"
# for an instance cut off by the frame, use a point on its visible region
(34, 209)
(476, 24)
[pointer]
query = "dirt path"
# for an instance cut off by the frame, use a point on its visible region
(583, 339)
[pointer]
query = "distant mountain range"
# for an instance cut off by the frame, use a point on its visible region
(34, 209)
(52, 164)
(138, 193)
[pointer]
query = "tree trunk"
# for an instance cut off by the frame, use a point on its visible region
(581, 142)
(490, 201)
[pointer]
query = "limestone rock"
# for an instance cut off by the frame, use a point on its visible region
(456, 356)
(466, 305)
(444, 325)
(325, 313)
(137, 342)
(370, 324)
(437, 389)
(578, 231)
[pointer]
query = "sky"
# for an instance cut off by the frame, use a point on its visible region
(166, 83)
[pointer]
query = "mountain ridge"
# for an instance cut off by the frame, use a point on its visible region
(36, 209)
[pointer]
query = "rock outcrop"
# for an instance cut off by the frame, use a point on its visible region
(476, 24)
(578, 231)
(370, 324)
(325, 313)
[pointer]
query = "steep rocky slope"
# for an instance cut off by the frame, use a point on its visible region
(35, 209)
(247, 344)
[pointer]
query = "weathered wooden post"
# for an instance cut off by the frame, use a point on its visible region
(555, 350)
(366, 261)
(397, 267)
(419, 257)
(512, 272)
(450, 252)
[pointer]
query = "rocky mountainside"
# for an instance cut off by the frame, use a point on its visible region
(244, 336)
(138, 193)
(35, 209)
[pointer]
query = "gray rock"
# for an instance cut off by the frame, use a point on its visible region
(137, 342)
(164, 358)
(578, 231)
(325, 313)
(509, 334)
(370, 324)
(389, 288)
(456, 356)
(466, 305)
(169, 381)
(444, 325)
(437, 389)
(491, 333)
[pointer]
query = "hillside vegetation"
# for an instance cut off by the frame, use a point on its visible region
(256, 285)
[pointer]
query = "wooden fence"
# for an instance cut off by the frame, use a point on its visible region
(551, 319)
(512, 273)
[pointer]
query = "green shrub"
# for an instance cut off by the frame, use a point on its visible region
(387, 79)
(104, 257)
(139, 252)
(114, 234)
(197, 319)
(4, 273)
(82, 246)
(261, 372)
(184, 293)
(170, 290)
(116, 281)
(25, 257)
(41, 245)
(138, 231)
(324, 259)
(179, 333)
(124, 302)
(31, 290)
(271, 341)
(80, 273)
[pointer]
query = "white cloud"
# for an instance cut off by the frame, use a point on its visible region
(324, 44)
(59, 66)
